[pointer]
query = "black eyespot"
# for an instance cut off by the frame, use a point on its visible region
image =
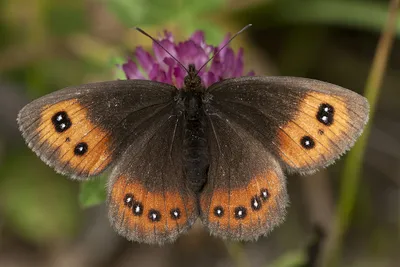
(128, 200)
(264, 194)
(325, 114)
(321, 132)
(154, 215)
(240, 212)
(219, 211)
(175, 213)
(80, 149)
(137, 208)
(255, 203)
(61, 121)
(307, 142)
(67, 139)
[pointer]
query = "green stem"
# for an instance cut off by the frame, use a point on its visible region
(352, 170)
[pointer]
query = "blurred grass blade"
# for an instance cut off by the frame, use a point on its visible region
(156, 12)
(364, 15)
(353, 165)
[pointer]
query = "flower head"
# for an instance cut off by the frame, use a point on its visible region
(163, 68)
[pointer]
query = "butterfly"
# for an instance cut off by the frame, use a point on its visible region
(217, 153)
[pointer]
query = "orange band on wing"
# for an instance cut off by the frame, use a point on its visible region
(315, 134)
(247, 212)
(80, 144)
(149, 216)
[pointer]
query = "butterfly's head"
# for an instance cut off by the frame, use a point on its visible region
(193, 80)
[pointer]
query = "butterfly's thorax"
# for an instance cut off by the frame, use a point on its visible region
(195, 155)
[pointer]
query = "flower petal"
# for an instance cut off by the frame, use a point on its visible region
(209, 78)
(153, 74)
(168, 36)
(131, 70)
(179, 74)
(198, 37)
(239, 64)
(160, 53)
(217, 66)
(224, 42)
(228, 62)
(144, 58)
(190, 53)
(251, 73)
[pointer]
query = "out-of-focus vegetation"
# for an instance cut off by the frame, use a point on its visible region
(47, 45)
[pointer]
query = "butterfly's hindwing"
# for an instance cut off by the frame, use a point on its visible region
(245, 196)
(148, 195)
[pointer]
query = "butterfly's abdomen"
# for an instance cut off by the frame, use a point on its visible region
(195, 156)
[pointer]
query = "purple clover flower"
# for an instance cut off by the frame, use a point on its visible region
(161, 67)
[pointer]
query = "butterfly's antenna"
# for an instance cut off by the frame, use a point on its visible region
(157, 42)
(216, 53)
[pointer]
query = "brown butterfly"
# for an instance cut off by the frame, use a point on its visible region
(215, 153)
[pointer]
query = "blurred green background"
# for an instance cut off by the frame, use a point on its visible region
(49, 220)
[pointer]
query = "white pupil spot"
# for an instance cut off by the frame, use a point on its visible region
(59, 118)
(62, 125)
(255, 203)
(129, 199)
(240, 213)
(137, 208)
(154, 216)
(307, 143)
(264, 194)
(326, 109)
(324, 118)
(175, 213)
(219, 211)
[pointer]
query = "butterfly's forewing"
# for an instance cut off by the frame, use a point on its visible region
(81, 130)
(306, 124)
(148, 198)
